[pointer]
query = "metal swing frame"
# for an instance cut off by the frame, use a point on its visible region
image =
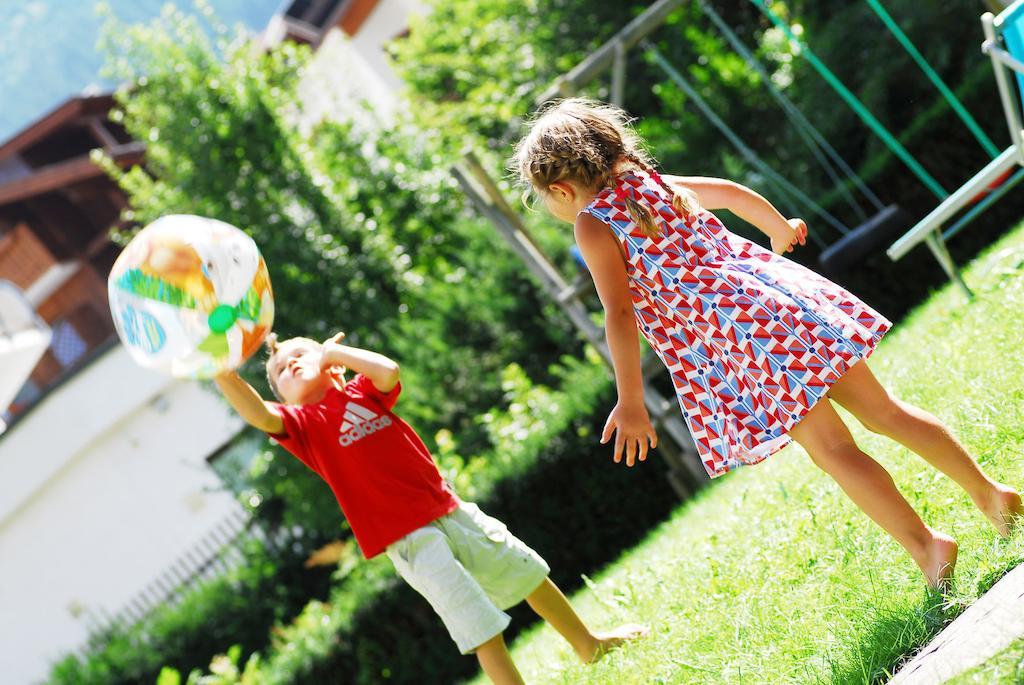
(1004, 44)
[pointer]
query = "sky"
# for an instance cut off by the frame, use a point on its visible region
(48, 48)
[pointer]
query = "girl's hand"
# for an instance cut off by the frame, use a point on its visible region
(798, 234)
(633, 430)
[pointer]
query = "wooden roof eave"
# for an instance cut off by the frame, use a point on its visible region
(63, 114)
(61, 174)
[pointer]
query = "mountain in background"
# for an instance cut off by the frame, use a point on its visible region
(48, 48)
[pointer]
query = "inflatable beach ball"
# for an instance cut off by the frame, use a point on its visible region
(191, 296)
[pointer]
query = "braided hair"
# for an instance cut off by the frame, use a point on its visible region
(588, 142)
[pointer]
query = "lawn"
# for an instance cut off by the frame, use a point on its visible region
(773, 576)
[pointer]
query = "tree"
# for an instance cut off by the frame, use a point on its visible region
(360, 223)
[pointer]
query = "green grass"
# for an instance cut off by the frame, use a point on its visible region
(774, 576)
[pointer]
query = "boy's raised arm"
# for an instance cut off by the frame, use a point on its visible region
(382, 371)
(248, 403)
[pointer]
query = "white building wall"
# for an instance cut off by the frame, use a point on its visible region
(337, 76)
(387, 20)
(105, 484)
(102, 487)
(348, 69)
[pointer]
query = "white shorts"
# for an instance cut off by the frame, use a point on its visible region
(470, 569)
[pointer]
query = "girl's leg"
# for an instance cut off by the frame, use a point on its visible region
(497, 663)
(860, 393)
(826, 439)
(551, 605)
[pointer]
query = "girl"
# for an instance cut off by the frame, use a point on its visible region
(751, 339)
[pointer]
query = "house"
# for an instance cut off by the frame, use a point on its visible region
(368, 25)
(55, 209)
(24, 339)
(109, 496)
(100, 487)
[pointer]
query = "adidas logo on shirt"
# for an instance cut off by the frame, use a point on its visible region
(360, 422)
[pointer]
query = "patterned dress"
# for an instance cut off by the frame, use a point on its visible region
(752, 340)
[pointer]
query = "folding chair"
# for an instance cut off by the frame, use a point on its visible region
(1004, 44)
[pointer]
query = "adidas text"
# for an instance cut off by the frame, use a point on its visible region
(360, 431)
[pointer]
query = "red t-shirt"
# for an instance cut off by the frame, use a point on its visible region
(381, 472)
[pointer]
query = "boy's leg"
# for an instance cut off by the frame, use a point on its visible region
(551, 605)
(509, 571)
(426, 562)
(497, 663)
(860, 393)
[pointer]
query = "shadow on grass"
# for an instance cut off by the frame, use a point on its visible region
(891, 640)
(895, 637)
(986, 581)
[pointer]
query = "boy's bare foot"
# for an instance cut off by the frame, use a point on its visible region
(606, 642)
(938, 559)
(1002, 505)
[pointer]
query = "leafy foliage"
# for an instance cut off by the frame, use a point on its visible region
(520, 48)
(363, 229)
(214, 114)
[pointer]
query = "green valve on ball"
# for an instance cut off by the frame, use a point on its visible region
(222, 318)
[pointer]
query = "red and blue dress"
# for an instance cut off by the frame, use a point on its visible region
(751, 339)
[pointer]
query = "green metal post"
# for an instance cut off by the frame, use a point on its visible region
(936, 80)
(856, 105)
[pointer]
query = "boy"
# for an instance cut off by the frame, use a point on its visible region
(466, 564)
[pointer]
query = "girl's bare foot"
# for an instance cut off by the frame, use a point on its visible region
(606, 642)
(1002, 505)
(937, 559)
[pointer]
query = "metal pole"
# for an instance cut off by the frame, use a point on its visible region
(599, 60)
(817, 142)
(619, 74)
(487, 198)
(747, 153)
(856, 105)
(936, 80)
(938, 247)
(991, 46)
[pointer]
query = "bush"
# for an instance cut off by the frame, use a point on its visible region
(270, 584)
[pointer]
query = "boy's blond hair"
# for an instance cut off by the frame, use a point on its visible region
(273, 345)
(588, 142)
